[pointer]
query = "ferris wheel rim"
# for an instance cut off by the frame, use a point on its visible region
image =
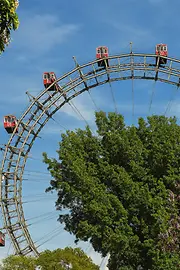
(15, 157)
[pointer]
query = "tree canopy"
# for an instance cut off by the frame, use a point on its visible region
(8, 21)
(59, 259)
(18, 263)
(121, 189)
(68, 258)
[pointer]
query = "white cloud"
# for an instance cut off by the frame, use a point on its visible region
(38, 34)
(53, 130)
(84, 110)
(139, 36)
(84, 106)
(17, 87)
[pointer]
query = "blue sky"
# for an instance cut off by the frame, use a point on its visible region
(50, 33)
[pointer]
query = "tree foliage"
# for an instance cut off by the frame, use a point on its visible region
(68, 258)
(59, 259)
(18, 263)
(8, 21)
(122, 190)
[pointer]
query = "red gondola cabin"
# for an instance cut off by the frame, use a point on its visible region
(10, 123)
(48, 79)
(2, 239)
(102, 52)
(161, 49)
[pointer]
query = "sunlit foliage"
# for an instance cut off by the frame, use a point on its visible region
(122, 190)
(8, 21)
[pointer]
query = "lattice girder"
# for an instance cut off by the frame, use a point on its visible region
(43, 107)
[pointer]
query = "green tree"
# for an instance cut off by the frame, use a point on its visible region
(18, 263)
(8, 21)
(68, 258)
(121, 189)
(59, 259)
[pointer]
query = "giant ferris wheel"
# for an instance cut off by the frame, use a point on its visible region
(58, 92)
